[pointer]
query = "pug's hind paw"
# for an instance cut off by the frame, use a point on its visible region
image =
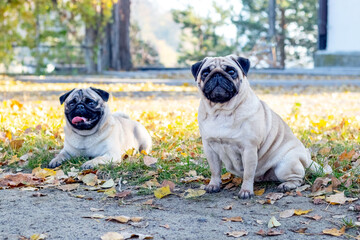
(287, 186)
(245, 194)
(55, 163)
(211, 188)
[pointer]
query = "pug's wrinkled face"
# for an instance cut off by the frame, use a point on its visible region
(220, 78)
(84, 108)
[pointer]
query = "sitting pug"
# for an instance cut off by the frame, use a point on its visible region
(242, 132)
(92, 131)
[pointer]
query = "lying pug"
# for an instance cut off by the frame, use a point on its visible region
(242, 132)
(92, 131)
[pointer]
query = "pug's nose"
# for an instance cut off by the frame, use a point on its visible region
(80, 107)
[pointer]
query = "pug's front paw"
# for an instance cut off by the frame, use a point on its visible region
(245, 194)
(56, 162)
(212, 188)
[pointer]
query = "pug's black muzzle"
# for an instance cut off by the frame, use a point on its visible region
(219, 89)
(91, 115)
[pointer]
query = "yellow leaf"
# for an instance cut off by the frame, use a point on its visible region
(334, 232)
(38, 236)
(162, 192)
(227, 177)
(90, 179)
(299, 212)
(233, 219)
(43, 173)
(111, 192)
(16, 144)
(259, 192)
(143, 152)
(192, 193)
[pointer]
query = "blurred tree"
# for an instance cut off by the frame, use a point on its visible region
(296, 24)
(142, 52)
(199, 36)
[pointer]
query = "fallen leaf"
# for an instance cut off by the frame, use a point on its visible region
(110, 192)
(95, 216)
(162, 192)
(165, 226)
(16, 144)
(302, 188)
(273, 222)
(233, 219)
(299, 230)
(299, 212)
(273, 232)
(335, 183)
(274, 196)
(43, 173)
(192, 193)
(139, 224)
(315, 217)
(261, 232)
(96, 209)
(149, 202)
(136, 235)
(325, 150)
(228, 207)
(259, 192)
(38, 194)
(112, 236)
(334, 232)
(148, 161)
(123, 194)
(226, 178)
(136, 219)
(90, 179)
(191, 173)
(237, 181)
(287, 213)
(346, 155)
(151, 183)
(338, 198)
(192, 179)
(120, 219)
(319, 183)
(19, 180)
(69, 187)
(237, 233)
(108, 184)
(267, 201)
(38, 236)
(168, 183)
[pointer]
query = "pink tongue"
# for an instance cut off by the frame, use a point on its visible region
(76, 120)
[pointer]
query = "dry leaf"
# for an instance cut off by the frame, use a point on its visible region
(273, 232)
(192, 179)
(96, 209)
(43, 173)
(95, 216)
(162, 192)
(287, 213)
(299, 212)
(149, 160)
(38, 236)
(338, 198)
(315, 217)
(233, 219)
(259, 192)
(135, 235)
(274, 196)
(334, 232)
(89, 179)
(120, 219)
(226, 178)
(110, 192)
(19, 180)
(123, 194)
(325, 150)
(112, 236)
(237, 233)
(319, 183)
(168, 183)
(151, 183)
(16, 144)
(261, 232)
(273, 222)
(108, 184)
(346, 155)
(237, 181)
(69, 187)
(165, 226)
(149, 202)
(136, 219)
(192, 193)
(228, 207)
(300, 230)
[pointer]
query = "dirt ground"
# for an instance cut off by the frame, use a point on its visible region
(59, 215)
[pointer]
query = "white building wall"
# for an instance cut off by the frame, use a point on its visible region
(343, 26)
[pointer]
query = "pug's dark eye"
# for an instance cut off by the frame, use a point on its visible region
(231, 72)
(204, 74)
(90, 103)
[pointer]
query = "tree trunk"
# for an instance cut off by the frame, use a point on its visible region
(89, 49)
(124, 31)
(281, 43)
(114, 39)
(272, 31)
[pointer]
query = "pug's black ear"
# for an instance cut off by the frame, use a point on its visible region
(195, 69)
(244, 64)
(103, 94)
(64, 97)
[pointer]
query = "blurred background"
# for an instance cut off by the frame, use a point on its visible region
(95, 36)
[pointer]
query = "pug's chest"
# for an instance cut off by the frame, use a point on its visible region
(88, 147)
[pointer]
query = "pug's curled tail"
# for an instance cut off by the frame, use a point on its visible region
(313, 166)
(121, 114)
